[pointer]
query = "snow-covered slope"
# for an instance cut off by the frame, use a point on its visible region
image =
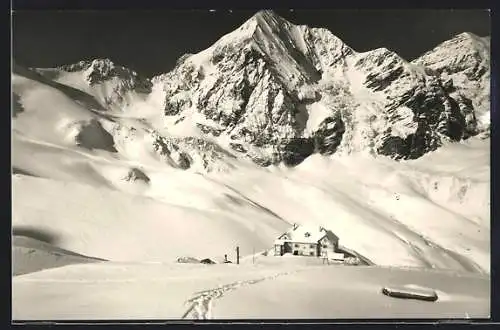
(250, 291)
(120, 188)
(58, 115)
(31, 255)
(427, 219)
(175, 164)
(354, 292)
(128, 227)
(426, 213)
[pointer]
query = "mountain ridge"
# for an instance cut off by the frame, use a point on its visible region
(273, 91)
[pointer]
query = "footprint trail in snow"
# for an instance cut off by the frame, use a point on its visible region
(201, 303)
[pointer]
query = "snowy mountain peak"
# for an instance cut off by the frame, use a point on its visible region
(266, 14)
(263, 18)
(114, 86)
(294, 55)
(103, 64)
(486, 40)
(463, 63)
(104, 69)
(471, 42)
(463, 51)
(281, 91)
(99, 70)
(269, 18)
(246, 32)
(467, 36)
(464, 42)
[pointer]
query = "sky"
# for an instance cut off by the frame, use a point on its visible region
(150, 42)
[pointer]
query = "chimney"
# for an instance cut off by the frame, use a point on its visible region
(295, 226)
(321, 228)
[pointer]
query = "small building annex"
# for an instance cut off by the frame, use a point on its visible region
(312, 241)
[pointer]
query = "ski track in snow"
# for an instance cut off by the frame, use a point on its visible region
(201, 303)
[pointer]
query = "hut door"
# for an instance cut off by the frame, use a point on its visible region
(287, 247)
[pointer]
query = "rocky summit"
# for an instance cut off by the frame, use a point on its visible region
(265, 84)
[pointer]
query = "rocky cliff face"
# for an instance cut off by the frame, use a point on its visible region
(262, 84)
(463, 65)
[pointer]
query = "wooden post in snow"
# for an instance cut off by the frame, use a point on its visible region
(237, 255)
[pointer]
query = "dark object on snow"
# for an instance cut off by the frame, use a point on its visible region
(187, 260)
(410, 293)
(207, 261)
(228, 262)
